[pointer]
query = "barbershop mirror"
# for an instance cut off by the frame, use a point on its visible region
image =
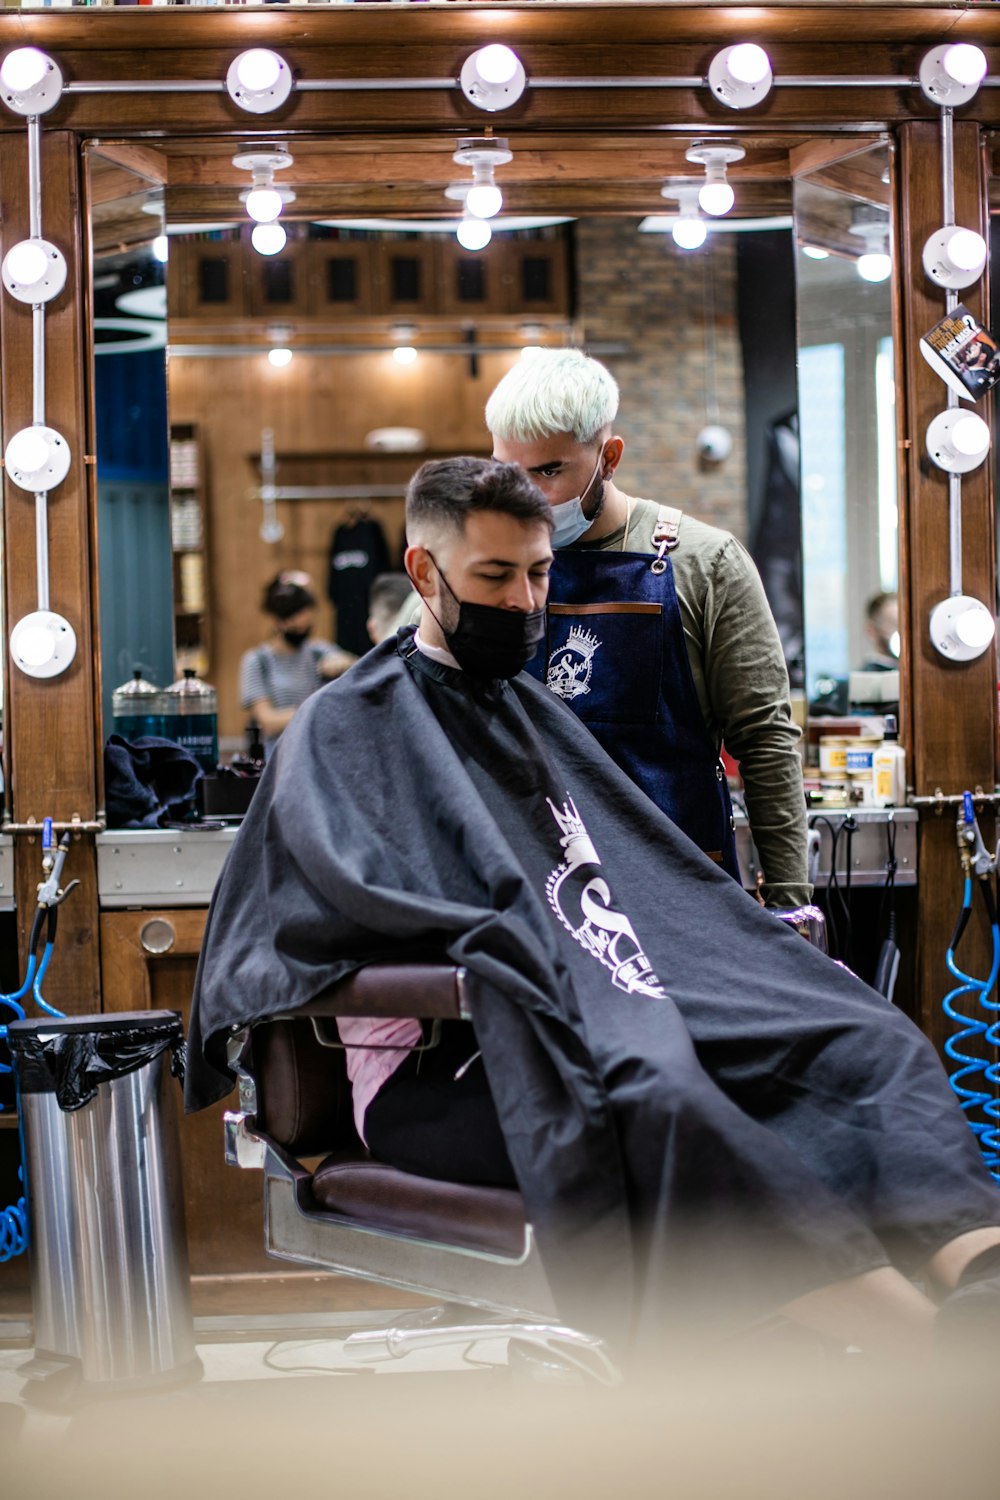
(846, 419)
(696, 339)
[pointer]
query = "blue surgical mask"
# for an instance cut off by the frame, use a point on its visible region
(569, 521)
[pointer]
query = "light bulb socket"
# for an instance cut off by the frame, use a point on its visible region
(259, 101)
(971, 447)
(941, 86)
(42, 644)
(734, 91)
(487, 94)
(37, 97)
(51, 472)
(52, 264)
(945, 270)
(961, 628)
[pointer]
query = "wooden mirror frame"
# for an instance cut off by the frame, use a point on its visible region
(52, 753)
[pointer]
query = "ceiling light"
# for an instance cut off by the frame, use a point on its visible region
(34, 271)
(404, 354)
(473, 234)
(161, 249)
(716, 196)
(493, 78)
(259, 80)
(958, 440)
(961, 627)
(955, 257)
(689, 230)
(268, 239)
(42, 644)
(279, 358)
(30, 82)
(952, 74)
(263, 204)
(740, 76)
(37, 458)
(815, 253)
(481, 198)
(874, 266)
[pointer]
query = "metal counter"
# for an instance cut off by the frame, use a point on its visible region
(159, 866)
(139, 867)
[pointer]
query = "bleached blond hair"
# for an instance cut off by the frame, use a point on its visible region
(550, 391)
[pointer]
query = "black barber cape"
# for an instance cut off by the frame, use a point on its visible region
(614, 971)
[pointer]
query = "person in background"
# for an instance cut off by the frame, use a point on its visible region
(386, 597)
(882, 631)
(279, 675)
(660, 636)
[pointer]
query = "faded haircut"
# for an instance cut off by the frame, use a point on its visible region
(550, 391)
(445, 491)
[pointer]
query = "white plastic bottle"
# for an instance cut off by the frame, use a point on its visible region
(889, 768)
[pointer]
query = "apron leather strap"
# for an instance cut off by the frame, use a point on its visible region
(666, 534)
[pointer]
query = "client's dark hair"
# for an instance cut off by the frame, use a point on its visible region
(287, 594)
(445, 491)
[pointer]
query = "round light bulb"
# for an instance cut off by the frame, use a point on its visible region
(36, 645)
(966, 250)
(975, 627)
(874, 266)
(258, 69)
(405, 354)
(473, 234)
(689, 234)
(264, 204)
(27, 451)
(268, 239)
(161, 249)
(23, 69)
(496, 63)
(484, 199)
(26, 263)
(970, 436)
(716, 198)
(815, 253)
(749, 63)
(279, 358)
(965, 63)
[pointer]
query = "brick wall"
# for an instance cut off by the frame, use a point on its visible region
(640, 289)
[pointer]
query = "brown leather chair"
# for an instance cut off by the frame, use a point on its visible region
(328, 1204)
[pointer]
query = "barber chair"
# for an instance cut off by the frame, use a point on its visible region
(328, 1205)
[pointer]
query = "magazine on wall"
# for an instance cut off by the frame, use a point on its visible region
(963, 352)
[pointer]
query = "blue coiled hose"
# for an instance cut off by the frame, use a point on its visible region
(974, 1070)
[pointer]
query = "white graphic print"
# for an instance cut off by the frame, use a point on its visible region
(570, 667)
(581, 899)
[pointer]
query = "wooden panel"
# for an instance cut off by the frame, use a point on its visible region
(340, 279)
(951, 714)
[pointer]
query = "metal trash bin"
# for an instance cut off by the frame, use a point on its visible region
(107, 1243)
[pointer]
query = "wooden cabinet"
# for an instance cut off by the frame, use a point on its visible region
(189, 545)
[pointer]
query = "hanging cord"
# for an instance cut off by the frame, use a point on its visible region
(838, 911)
(888, 959)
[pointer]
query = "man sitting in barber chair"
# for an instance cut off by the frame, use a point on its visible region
(708, 1120)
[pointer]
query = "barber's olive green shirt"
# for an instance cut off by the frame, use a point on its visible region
(742, 685)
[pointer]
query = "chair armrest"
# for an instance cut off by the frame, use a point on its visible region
(424, 991)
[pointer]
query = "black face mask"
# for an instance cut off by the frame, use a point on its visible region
(295, 638)
(490, 642)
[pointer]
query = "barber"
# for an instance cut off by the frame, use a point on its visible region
(659, 634)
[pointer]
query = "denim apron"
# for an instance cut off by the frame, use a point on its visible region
(615, 652)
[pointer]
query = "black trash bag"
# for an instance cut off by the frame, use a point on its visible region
(73, 1063)
(145, 779)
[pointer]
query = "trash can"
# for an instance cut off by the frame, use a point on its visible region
(109, 1268)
